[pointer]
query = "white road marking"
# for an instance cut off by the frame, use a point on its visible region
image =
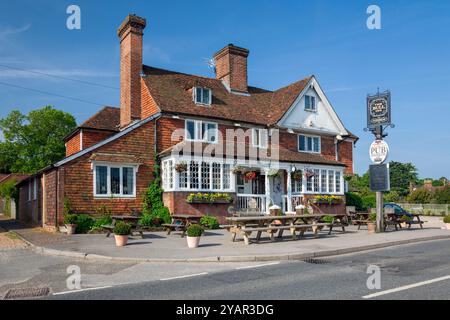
(186, 276)
(258, 266)
(81, 290)
(410, 286)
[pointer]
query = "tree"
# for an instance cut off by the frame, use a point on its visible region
(420, 196)
(442, 196)
(401, 175)
(33, 141)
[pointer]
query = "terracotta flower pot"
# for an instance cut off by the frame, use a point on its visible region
(121, 240)
(371, 227)
(71, 228)
(193, 242)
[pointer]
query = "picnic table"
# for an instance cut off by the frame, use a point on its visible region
(180, 222)
(390, 219)
(132, 220)
(272, 224)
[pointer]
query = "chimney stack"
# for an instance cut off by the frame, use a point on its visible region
(231, 67)
(130, 33)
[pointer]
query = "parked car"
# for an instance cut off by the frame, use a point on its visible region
(398, 210)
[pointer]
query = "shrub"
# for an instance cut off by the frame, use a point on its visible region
(420, 196)
(442, 196)
(122, 228)
(369, 201)
(70, 219)
(163, 213)
(210, 222)
(373, 217)
(392, 196)
(406, 218)
(84, 223)
(194, 230)
(146, 220)
(354, 199)
(103, 210)
(67, 209)
(103, 220)
(328, 219)
(447, 219)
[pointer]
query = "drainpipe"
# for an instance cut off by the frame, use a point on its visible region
(56, 198)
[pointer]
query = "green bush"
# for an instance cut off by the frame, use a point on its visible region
(392, 196)
(420, 196)
(103, 220)
(163, 213)
(442, 196)
(84, 223)
(447, 219)
(369, 201)
(406, 218)
(122, 228)
(146, 220)
(70, 219)
(328, 219)
(194, 230)
(373, 217)
(354, 199)
(209, 222)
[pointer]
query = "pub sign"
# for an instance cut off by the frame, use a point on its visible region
(379, 110)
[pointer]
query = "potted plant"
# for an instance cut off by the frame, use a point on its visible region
(447, 222)
(275, 210)
(238, 170)
(297, 175)
(121, 232)
(251, 175)
(194, 232)
(372, 225)
(70, 220)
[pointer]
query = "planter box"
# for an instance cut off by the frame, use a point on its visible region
(199, 201)
(326, 202)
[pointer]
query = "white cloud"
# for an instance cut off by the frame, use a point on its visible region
(6, 31)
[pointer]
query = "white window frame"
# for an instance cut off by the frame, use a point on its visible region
(314, 104)
(198, 131)
(257, 138)
(120, 166)
(312, 143)
(194, 95)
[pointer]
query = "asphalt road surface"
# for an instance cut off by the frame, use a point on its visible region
(418, 271)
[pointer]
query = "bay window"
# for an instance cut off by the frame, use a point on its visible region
(114, 180)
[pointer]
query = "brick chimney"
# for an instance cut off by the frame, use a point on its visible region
(231, 67)
(130, 33)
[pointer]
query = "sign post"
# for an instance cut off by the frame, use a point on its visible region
(379, 115)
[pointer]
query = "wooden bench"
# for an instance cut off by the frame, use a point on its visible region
(109, 229)
(175, 227)
(271, 230)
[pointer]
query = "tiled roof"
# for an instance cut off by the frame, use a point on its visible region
(230, 150)
(172, 93)
(18, 177)
(106, 119)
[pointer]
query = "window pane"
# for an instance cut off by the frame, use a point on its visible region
(115, 180)
(338, 181)
(212, 132)
(313, 103)
(263, 138)
(101, 173)
(226, 176)
(309, 183)
(255, 137)
(198, 95)
(330, 181)
(316, 180)
(205, 176)
(216, 176)
(323, 181)
(307, 102)
(190, 130)
(193, 173)
(128, 183)
(316, 144)
(183, 179)
(309, 140)
(205, 98)
(301, 140)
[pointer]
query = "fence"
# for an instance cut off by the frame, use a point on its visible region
(427, 209)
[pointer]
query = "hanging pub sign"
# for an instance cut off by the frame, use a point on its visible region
(379, 177)
(378, 151)
(379, 110)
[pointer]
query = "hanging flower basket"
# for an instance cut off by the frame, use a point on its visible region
(273, 172)
(309, 174)
(297, 175)
(238, 170)
(181, 167)
(251, 175)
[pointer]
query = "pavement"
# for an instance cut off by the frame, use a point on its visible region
(216, 245)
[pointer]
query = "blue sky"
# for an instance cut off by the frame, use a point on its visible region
(288, 40)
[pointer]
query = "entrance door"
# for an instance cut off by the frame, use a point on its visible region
(277, 190)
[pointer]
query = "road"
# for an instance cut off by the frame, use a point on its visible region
(418, 271)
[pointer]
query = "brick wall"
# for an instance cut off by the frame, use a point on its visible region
(73, 144)
(346, 155)
(91, 137)
(148, 104)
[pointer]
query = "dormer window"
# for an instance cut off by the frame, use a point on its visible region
(310, 103)
(202, 96)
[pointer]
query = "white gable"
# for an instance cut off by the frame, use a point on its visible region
(324, 119)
